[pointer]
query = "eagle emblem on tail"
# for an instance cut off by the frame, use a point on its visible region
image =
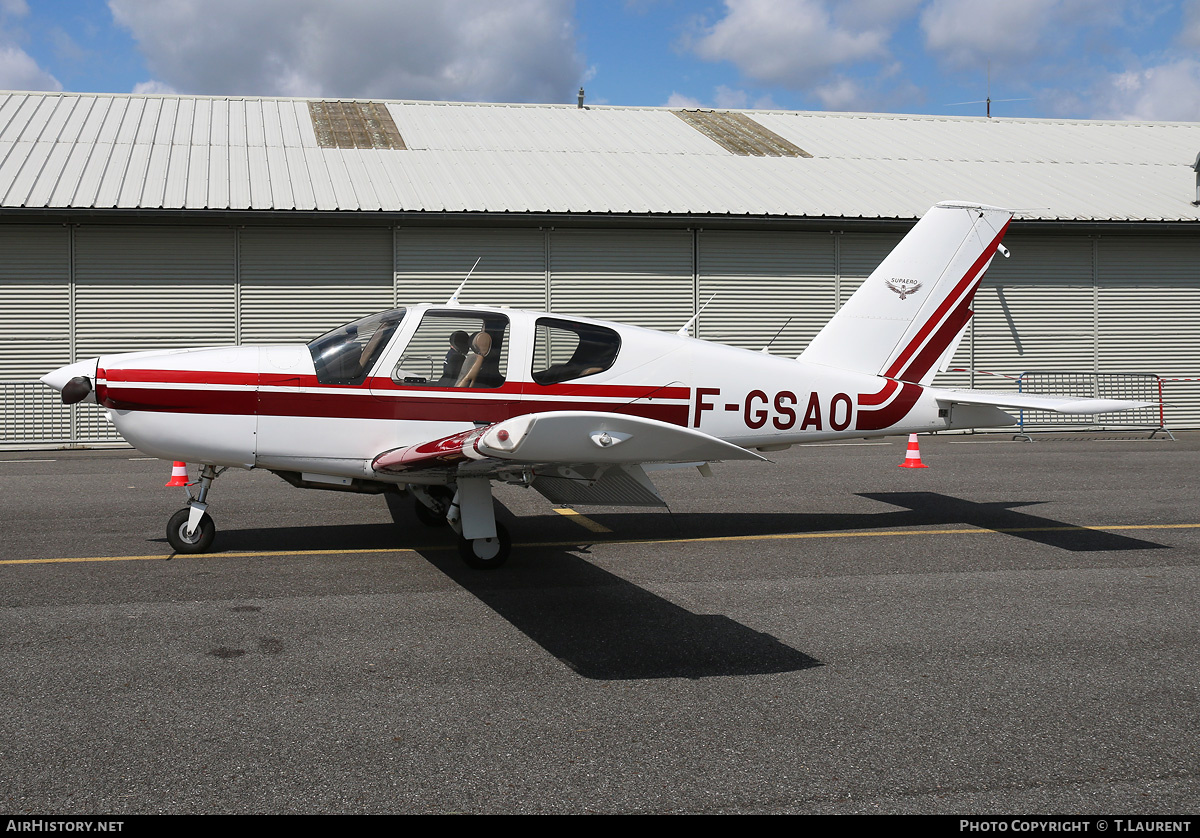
(904, 290)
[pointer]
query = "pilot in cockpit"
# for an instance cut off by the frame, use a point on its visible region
(455, 355)
(481, 345)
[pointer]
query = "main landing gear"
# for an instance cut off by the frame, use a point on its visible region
(191, 529)
(482, 542)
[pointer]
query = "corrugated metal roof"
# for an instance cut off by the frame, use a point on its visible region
(98, 151)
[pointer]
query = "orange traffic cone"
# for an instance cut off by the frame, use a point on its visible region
(178, 475)
(913, 458)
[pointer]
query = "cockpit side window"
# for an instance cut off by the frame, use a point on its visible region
(455, 349)
(565, 349)
(346, 355)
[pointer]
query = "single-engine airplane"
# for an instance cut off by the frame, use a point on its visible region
(442, 400)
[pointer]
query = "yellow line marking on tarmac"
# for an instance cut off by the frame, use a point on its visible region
(231, 553)
(682, 540)
(858, 534)
(583, 520)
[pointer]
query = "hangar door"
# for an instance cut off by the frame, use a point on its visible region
(1148, 309)
(296, 283)
(642, 277)
(766, 288)
(432, 262)
(35, 329)
(1034, 311)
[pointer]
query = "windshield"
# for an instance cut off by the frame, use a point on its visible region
(346, 355)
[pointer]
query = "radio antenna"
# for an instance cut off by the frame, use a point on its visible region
(687, 327)
(453, 301)
(766, 349)
(988, 101)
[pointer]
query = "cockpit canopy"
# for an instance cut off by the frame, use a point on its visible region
(346, 355)
(464, 348)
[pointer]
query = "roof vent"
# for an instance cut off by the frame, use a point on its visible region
(354, 125)
(740, 134)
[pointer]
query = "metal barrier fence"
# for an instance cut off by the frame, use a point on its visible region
(32, 414)
(1142, 387)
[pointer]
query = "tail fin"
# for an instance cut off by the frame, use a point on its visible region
(913, 308)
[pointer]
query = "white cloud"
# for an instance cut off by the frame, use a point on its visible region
(1166, 92)
(678, 100)
(967, 34)
(154, 87)
(18, 71)
(723, 98)
(518, 50)
(841, 94)
(795, 44)
(1190, 35)
(730, 98)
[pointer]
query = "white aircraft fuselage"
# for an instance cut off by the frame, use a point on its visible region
(263, 406)
(455, 395)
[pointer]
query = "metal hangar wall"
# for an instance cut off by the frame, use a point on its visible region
(1086, 302)
(147, 222)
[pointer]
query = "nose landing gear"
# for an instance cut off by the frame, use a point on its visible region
(191, 529)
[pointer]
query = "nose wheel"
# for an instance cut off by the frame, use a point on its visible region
(191, 529)
(198, 540)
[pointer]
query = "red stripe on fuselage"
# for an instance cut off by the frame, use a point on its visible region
(530, 388)
(169, 400)
(893, 412)
(227, 379)
(359, 402)
(872, 399)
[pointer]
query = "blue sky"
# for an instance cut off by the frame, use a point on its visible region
(1090, 59)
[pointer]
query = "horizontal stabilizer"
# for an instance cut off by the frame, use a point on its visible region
(1073, 405)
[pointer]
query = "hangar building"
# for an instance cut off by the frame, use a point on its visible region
(143, 222)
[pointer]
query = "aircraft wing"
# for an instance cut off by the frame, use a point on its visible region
(567, 437)
(1074, 405)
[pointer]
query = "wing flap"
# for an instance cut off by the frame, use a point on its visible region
(623, 485)
(566, 436)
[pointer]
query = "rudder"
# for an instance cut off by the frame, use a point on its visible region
(912, 309)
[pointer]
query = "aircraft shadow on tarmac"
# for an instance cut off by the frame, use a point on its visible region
(598, 624)
(920, 509)
(605, 627)
(931, 508)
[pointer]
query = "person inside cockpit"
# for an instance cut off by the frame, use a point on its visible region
(481, 345)
(455, 355)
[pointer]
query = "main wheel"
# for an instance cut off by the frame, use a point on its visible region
(197, 542)
(434, 517)
(485, 553)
